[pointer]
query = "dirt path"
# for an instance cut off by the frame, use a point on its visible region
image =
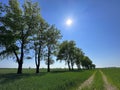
(87, 83)
(107, 85)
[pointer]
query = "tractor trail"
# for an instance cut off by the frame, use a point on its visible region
(107, 85)
(87, 83)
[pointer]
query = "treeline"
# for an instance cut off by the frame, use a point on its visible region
(73, 55)
(24, 34)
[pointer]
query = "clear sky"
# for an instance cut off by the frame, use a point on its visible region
(95, 28)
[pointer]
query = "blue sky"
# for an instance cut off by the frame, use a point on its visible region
(95, 28)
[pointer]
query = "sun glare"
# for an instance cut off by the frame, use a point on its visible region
(69, 22)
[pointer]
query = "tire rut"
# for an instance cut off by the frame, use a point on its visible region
(87, 83)
(107, 85)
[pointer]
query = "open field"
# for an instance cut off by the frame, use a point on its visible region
(60, 79)
(113, 76)
(55, 80)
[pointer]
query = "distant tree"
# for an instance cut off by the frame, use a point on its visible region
(78, 57)
(93, 66)
(66, 53)
(72, 56)
(86, 62)
(63, 53)
(52, 38)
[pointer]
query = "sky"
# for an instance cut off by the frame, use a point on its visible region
(95, 28)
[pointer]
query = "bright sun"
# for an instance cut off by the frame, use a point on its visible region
(69, 22)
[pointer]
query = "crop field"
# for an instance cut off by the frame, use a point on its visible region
(55, 80)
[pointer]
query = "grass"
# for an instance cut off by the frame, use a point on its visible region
(113, 76)
(62, 80)
(97, 83)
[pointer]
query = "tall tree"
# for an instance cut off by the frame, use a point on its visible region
(39, 43)
(63, 53)
(52, 38)
(18, 23)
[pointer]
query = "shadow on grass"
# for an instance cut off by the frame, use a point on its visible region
(63, 71)
(11, 77)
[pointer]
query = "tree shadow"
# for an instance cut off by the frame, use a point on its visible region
(63, 71)
(11, 77)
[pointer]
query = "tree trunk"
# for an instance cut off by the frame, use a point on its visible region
(37, 69)
(69, 65)
(20, 61)
(39, 56)
(78, 66)
(72, 67)
(72, 64)
(19, 71)
(48, 70)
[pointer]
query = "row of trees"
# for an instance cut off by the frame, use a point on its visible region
(73, 55)
(23, 32)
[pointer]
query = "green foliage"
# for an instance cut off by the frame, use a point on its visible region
(52, 38)
(66, 52)
(74, 55)
(18, 25)
(78, 56)
(23, 30)
(86, 62)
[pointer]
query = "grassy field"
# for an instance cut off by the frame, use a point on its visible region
(113, 76)
(55, 80)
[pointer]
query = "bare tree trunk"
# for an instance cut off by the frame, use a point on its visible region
(72, 64)
(37, 59)
(37, 69)
(19, 71)
(48, 70)
(69, 65)
(20, 61)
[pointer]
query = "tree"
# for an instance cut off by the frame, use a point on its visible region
(17, 24)
(52, 38)
(78, 57)
(66, 53)
(39, 44)
(71, 47)
(93, 66)
(86, 62)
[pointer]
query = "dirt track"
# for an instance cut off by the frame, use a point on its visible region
(87, 83)
(107, 85)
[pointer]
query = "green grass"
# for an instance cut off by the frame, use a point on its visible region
(113, 76)
(62, 80)
(97, 83)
